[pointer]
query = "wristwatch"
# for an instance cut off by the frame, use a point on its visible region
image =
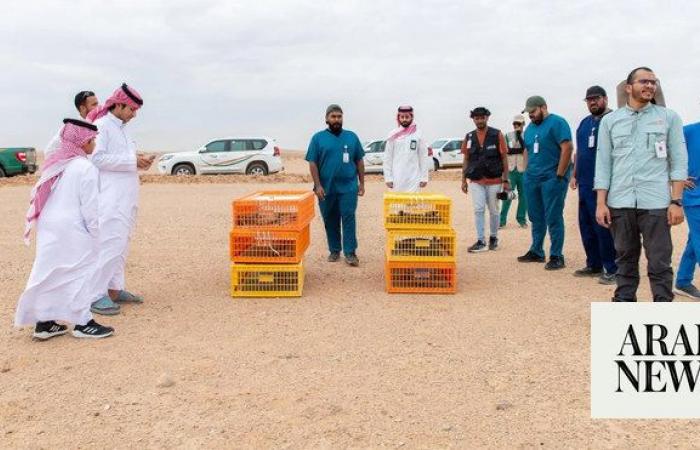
(677, 203)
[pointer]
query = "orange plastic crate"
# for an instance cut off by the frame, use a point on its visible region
(421, 277)
(274, 210)
(283, 247)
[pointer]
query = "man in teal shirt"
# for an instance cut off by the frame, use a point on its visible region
(335, 159)
(641, 150)
(548, 143)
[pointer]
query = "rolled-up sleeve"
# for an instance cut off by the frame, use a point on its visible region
(677, 151)
(603, 158)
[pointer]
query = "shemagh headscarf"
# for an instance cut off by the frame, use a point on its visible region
(74, 135)
(125, 95)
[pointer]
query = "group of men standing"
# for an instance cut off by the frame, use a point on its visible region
(83, 210)
(630, 170)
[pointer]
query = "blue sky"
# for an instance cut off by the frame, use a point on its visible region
(215, 68)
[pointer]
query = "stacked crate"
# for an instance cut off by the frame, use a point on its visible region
(421, 244)
(267, 243)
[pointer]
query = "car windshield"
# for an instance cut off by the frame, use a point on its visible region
(375, 147)
(438, 144)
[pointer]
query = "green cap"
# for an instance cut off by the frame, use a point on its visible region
(534, 102)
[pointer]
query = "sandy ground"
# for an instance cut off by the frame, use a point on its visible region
(504, 363)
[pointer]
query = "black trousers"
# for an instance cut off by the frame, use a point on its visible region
(631, 229)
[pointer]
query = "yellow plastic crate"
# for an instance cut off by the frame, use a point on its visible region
(417, 211)
(267, 280)
(421, 245)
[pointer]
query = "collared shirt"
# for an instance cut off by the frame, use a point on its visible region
(337, 171)
(543, 144)
(639, 153)
(691, 197)
(517, 161)
(586, 145)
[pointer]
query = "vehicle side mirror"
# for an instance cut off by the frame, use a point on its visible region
(202, 150)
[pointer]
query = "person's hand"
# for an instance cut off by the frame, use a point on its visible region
(143, 162)
(361, 190)
(675, 215)
(506, 185)
(465, 186)
(390, 184)
(320, 193)
(573, 184)
(423, 184)
(689, 183)
(602, 216)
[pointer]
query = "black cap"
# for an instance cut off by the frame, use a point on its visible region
(595, 91)
(479, 111)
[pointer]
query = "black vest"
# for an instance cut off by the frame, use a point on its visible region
(485, 160)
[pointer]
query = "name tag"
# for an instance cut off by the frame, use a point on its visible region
(346, 157)
(536, 147)
(591, 141)
(661, 149)
(469, 144)
(414, 145)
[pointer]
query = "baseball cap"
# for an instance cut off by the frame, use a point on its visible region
(534, 102)
(595, 91)
(519, 118)
(334, 108)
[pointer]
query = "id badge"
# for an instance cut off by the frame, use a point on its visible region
(414, 145)
(661, 149)
(469, 144)
(536, 147)
(591, 139)
(346, 157)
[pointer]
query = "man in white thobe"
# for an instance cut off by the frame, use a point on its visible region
(85, 101)
(406, 160)
(118, 162)
(64, 210)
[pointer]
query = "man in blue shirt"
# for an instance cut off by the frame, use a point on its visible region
(549, 148)
(597, 241)
(641, 150)
(691, 208)
(335, 159)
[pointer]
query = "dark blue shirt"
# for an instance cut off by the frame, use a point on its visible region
(691, 197)
(338, 172)
(543, 147)
(586, 146)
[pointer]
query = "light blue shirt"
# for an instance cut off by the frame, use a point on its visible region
(631, 163)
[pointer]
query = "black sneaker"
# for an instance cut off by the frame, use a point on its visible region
(531, 257)
(493, 243)
(555, 263)
(46, 330)
(689, 291)
(334, 257)
(92, 330)
(352, 260)
(609, 279)
(478, 247)
(588, 272)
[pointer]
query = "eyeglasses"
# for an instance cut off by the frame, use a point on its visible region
(592, 99)
(646, 82)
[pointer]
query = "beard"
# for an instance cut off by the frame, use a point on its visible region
(406, 123)
(335, 127)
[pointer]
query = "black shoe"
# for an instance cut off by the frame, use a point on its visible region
(531, 257)
(46, 330)
(334, 257)
(493, 243)
(619, 300)
(352, 260)
(555, 263)
(689, 291)
(608, 279)
(478, 247)
(92, 330)
(588, 272)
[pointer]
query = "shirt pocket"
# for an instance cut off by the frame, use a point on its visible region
(621, 140)
(654, 134)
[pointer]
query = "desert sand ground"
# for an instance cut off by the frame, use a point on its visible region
(502, 364)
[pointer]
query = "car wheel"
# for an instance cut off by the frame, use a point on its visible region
(183, 169)
(437, 164)
(2, 172)
(256, 168)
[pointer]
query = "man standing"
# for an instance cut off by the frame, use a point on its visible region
(406, 159)
(85, 101)
(118, 162)
(64, 208)
(517, 162)
(336, 166)
(691, 208)
(485, 168)
(597, 241)
(640, 150)
(548, 143)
